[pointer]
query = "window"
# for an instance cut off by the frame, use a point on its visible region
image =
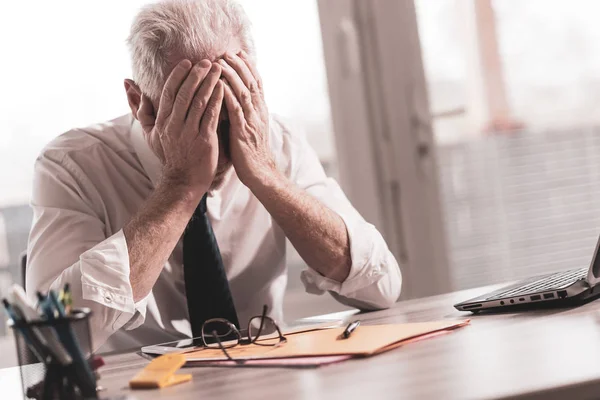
(517, 201)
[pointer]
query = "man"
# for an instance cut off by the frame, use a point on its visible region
(179, 212)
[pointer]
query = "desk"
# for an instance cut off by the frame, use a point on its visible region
(546, 354)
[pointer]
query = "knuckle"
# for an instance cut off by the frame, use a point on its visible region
(245, 96)
(182, 99)
(212, 111)
(197, 73)
(197, 69)
(199, 104)
(254, 87)
(236, 109)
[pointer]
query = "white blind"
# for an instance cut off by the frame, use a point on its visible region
(521, 204)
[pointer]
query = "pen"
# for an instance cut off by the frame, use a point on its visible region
(349, 329)
(17, 316)
(51, 306)
(45, 335)
(60, 310)
(61, 294)
(65, 298)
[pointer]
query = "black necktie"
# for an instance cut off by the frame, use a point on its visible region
(206, 286)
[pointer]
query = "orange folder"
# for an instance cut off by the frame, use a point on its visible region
(366, 340)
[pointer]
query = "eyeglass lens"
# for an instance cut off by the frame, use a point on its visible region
(263, 331)
(221, 330)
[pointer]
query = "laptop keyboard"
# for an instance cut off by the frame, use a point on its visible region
(557, 281)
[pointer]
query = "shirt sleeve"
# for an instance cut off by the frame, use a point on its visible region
(375, 280)
(68, 244)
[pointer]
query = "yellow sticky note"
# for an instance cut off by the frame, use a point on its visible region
(161, 373)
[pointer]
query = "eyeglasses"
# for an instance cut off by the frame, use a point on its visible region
(219, 333)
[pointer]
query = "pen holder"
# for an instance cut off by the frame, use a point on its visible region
(44, 349)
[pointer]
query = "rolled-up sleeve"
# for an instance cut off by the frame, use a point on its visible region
(375, 280)
(68, 243)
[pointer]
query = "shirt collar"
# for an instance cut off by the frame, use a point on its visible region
(150, 162)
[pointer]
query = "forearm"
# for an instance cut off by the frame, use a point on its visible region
(318, 233)
(154, 231)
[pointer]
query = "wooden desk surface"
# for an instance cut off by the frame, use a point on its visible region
(546, 354)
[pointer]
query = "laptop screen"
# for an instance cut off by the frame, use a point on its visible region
(594, 272)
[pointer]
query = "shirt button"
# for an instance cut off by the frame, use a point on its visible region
(107, 298)
(375, 272)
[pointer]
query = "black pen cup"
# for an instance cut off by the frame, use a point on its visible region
(49, 371)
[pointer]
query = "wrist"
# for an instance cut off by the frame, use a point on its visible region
(263, 176)
(178, 186)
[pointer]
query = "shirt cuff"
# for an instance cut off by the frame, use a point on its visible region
(138, 318)
(366, 267)
(105, 280)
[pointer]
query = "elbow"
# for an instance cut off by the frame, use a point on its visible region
(387, 301)
(388, 292)
(390, 286)
(380, 296)
(388, 297)
(383, 273)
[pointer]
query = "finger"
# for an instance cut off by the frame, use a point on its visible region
(244, 56)
(234, 108)
(203, 96)
(239, 88)
(257, 94)
(247, 77)
(185, 95)
(145, 114)
(243, 71)
(210, 119)
(172, 85)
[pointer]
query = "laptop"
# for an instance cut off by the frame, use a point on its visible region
(560, 289)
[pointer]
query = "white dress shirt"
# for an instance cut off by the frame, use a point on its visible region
(89, 182)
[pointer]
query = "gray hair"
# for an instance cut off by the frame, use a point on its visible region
(192, 29)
